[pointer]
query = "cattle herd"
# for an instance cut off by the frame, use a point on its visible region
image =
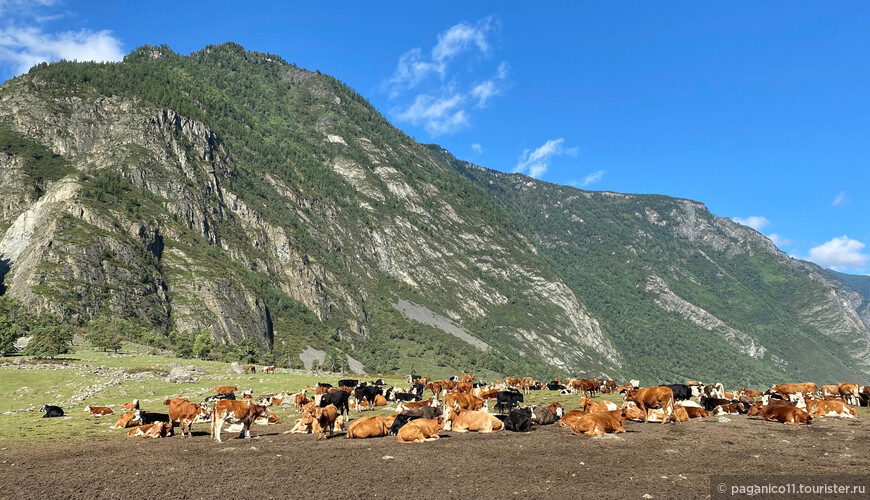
(461, 405)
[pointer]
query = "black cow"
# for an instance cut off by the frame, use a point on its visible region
(406, 396)
(368, 393)
(149, 417)
(710, 404)
(506, 400)
(337, 398)
(417, 389)
(324, 384)
(379, 381)
(423, 411)
(51, 411)
(519, 420)
(400, 422)
(682, 392)
(348, 383)
(555, 386)
(221, 396)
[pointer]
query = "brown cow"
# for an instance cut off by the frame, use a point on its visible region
(299, 399)
(459, 420)
(750, 393)
(464, 387)
(791, 389)
(512, 382)
(696, 412)
(590, 406)
(436, 389)
(834, 408)
(250, 369)
(653, 397)
(404, 405)
(325, 420)
(128, 419)
(570, 417)
(234, 412)
(593, 424)
(99, 411)
(226, 389)
(155, 430)
(184, 413)
(130, 405)
(420, 430)
(463, 401)
(790, 415)
(368, 427)
(466, 378)
(849, 392)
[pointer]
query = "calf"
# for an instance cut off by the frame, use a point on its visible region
(99, 411)
(325, 418)
(51, 411)
(729, 409)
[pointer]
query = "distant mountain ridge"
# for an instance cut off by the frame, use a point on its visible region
(230, 191)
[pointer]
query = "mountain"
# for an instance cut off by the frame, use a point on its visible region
(231, 193)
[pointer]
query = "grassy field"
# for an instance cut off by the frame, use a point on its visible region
(104, 379)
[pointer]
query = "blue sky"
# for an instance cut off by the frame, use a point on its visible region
(758, 109)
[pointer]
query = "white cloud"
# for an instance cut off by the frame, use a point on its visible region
(486, 89)
(426, 73)
(536, 162)
(462, 36)
(840, 199)
(24, 47)
(755, 222)
(840, 253)
(477, 148)
(778, 240)
(592, 178)
(438, 115)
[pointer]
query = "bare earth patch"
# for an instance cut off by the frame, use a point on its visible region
(663, 461)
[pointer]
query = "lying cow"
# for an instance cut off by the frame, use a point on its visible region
(51, 411)
(420, 430)
(590, 406)
(99, 411)
(128, 419)
(570, 417)
(790, 415)
(593, 424)
(469, 420)
(220, 397)
(155, 430)
(834, 408)
(367, 427)
(130, 405)
(547, 415)
(519, 420)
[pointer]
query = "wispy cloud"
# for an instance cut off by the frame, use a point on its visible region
(428, 93)
(476, 148)
(535, 163)
(778, 240)
(756, 222)
(27, 42)
(840, 254)
(439, 115)
(592, 178)
(840, 199)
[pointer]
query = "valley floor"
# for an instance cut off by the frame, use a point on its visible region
(663, 461)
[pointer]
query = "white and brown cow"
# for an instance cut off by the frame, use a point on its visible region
(234, 412)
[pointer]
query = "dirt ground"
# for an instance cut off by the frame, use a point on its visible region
(663, 461)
